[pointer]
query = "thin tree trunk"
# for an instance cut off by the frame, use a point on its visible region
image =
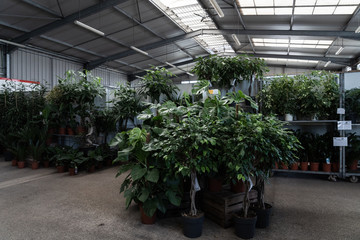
(246, 203)
(193, 210)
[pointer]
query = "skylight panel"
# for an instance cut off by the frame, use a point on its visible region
(324, 10)
(246, 3)
(303, 10)
(258, 44)
(283, 3)
(280, 45)
(282, 40)
(248, 11)
(345, 10)
(322, 46)
(283, 11)
(296, 45)
(344, 2)
(328, 42)
(297, 41)
(258, 40)
(263, 3)
(327, 2)
(305, 2)
(176, 3)
(265, 11)
(311, 41)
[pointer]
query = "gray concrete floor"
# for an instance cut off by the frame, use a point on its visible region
(41, 204)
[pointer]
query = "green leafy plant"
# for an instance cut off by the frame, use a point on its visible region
(156, 82)
(147, 183)
(352, 104)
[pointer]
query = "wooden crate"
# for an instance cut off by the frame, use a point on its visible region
(220, 206)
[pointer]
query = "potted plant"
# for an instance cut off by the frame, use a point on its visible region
(57, 157)
(157, 82)
(147, 182)
(352, 104)
(74, 158)
(352, 152)
(94, 159)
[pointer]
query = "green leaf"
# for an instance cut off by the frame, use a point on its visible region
(150, 207)
(144, 195)
(152, 176)
(138, 172)
(175, 200)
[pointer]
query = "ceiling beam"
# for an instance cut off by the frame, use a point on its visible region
(45, 9)
(94, 64)
(68, 19)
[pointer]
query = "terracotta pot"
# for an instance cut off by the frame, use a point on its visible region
(294, 166)
(100, 165)
(276, 165)
(284, 166)
(21, 164)
(335, 167)
(304, 166)
(215, 184)
(46, 164)
(146, 219)
(314, 166)
(60, 169)
(69, 131)
(91, 169)
(62, 131)
(71, 171)
(34, 165)
(326, 167)
(238, 187)
(353, 165)
(80, 130)
(14, 162)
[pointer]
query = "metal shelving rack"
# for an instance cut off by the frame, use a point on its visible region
(328, 123)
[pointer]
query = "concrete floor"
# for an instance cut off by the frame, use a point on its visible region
(41, 204)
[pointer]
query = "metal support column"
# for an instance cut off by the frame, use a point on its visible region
(342, 118)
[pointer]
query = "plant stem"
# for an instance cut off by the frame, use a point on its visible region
(246, 203)
(193, 211)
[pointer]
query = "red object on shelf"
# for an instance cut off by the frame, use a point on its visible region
(326, 167)
(314, 166)
(304, 166)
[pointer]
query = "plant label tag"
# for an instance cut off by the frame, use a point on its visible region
(251, 184)
(197, 186)
(344, 125)
(340, 111)
(214, 91)
(340, 141)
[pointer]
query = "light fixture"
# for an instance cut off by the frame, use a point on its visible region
(357, 30)
(217, 8)
(327, 63)
(339, 50)
(12, 43)
(171, 65)
(190, 74)
(236, 39)
(139, 77)
(139, 50)
(83, 25)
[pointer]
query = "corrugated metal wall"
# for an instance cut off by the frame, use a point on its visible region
(2, 61)
(34, 66)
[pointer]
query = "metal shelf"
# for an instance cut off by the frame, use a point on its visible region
(313, 123)
(306, 172)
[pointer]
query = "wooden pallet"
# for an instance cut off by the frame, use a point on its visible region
(221, 206)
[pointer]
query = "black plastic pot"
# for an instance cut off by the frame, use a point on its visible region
(245, 227)
(192, 226)
(8, 156)
(263, 216)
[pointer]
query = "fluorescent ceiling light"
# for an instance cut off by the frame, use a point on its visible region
(139, 50)
(190, 74)
(357, 30)
(94, 30)
(327, 63)
(236, 39)
(217, 8)
(171, 65)
(13, 43)
(339, 50)
(189, 82)
(139, 77)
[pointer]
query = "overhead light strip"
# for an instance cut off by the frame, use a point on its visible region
(339, 50)
(139, 50)
(237, 41)
(327, 63)
(217, 8)
(190, 74)
(94, 30)
(171, 65)
(13, 43)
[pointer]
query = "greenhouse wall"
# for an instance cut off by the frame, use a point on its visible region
(33, 66)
